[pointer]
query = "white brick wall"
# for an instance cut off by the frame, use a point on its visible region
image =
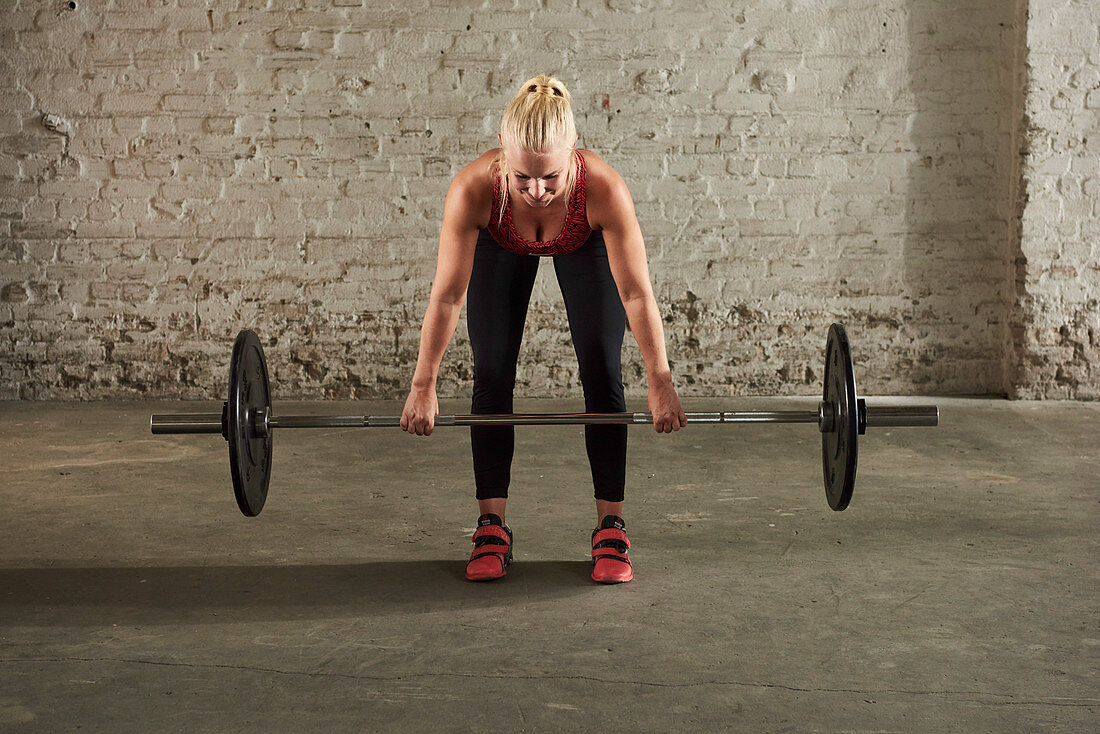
(1056, 324)
(283, 165)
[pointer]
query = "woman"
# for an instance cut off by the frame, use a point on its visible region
(538, 196)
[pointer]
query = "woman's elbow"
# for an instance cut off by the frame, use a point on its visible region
(451, 297)
(639, 292)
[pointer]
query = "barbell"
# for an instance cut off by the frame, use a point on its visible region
(248, 424)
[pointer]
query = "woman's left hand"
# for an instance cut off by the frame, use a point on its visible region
(664, 405)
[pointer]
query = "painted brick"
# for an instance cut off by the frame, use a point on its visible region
(790, 165)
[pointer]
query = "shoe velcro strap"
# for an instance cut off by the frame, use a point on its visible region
(491, 545)
(498, 554)
(495, 532)
(490, 540)
(610, 534)
(611, 544)
(609, 556)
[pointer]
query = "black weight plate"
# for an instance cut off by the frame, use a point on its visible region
(249, 454)
(840, 446)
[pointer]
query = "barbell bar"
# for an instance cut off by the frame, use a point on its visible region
(248, 423)
(877, 416)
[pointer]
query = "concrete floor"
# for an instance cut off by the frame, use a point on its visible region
(959, 591)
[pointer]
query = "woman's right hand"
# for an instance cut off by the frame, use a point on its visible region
(421, 408)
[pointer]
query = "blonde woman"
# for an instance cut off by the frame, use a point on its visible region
(536, 196)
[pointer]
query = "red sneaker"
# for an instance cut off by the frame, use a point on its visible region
(610, 545)
(492, 549)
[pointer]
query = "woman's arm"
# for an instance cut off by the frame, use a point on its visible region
(614, 213)
(457, 242)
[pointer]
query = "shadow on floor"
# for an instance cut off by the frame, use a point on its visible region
(230, 594)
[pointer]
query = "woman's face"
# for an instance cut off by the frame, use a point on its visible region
(537, 178)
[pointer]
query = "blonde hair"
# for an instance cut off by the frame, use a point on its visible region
(539, 117)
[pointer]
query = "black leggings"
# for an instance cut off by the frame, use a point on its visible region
(497, 299)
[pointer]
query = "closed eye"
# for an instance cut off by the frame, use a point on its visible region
(524, 177)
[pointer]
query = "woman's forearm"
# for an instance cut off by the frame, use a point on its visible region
(645, 324)
(440, 320)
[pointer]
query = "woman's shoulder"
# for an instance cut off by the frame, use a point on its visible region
(479, 173)
(598, 173)
(603, 184)
(472, 186)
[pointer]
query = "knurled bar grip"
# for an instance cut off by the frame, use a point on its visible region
(877, 416)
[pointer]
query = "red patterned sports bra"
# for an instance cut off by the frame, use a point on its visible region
(572, 235)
